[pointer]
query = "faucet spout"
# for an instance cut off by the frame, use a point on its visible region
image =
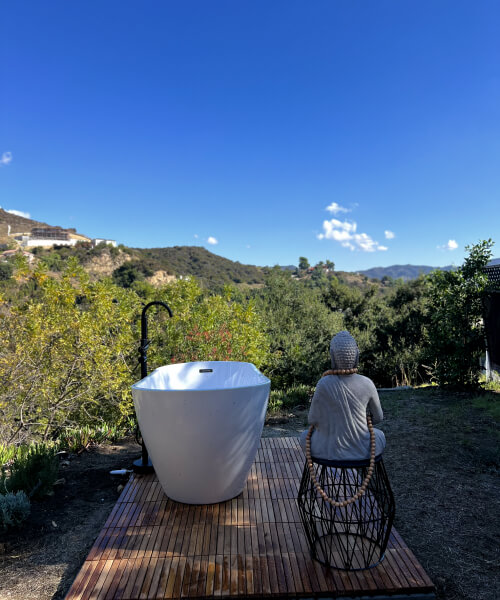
(143, 348)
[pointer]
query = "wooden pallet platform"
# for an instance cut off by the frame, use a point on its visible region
(254, 545)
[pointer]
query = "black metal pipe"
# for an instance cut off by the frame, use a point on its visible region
(144, 465)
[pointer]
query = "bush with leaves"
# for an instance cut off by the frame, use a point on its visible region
(68, 355)
(392, 334)
(78, 439)
(65, 355)
(205, 326)
(33, 471)
(456, 331)
(294, 397)
(300, 327)
(14, 509)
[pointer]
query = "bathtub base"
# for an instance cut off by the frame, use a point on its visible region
(143, 469)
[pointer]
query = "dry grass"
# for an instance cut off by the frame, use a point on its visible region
(443, 458)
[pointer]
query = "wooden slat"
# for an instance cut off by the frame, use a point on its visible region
(251, 546)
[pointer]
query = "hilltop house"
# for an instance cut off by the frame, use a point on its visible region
(49, 236)
(97, 241)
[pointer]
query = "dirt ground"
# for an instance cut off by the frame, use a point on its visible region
(442, 458)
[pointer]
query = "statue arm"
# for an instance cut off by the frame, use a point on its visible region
(313, 417)
(375, 407)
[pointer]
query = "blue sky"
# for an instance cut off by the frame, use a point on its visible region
(367, 133)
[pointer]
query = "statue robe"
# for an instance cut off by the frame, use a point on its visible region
(338, 413)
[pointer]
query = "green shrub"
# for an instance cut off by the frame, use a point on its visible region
(205, 327)
(14, 509)
(7, 453)
(33, 470)
(293, 397)
(78, 439)
(66, 355)
(6, 270)
(456, 330)
(299, 326)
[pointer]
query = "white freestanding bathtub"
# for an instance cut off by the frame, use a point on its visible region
(201, 423)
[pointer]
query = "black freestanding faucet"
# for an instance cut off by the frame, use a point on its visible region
(143, 464)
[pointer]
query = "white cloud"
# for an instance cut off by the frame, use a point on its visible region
(212, 240)
(344, 232)
(19, 213)
(196, 235)
(389, 235)
(335, 208)
(451, 245)
(6, 158)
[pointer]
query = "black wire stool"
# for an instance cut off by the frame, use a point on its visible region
(353, 537)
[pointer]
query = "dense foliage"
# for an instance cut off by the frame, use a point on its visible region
(456, 319)
(68, 353)
(209, 268)
(300, 327)
(68, 342)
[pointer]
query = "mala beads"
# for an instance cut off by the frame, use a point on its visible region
(364, 485)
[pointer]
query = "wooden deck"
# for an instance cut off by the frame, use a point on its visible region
(254, 545)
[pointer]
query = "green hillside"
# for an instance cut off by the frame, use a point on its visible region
(195, 260)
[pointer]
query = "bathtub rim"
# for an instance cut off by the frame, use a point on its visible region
(195, 390)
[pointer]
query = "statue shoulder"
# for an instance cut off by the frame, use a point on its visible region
(323, 382)
(365, 382)
(364, 378)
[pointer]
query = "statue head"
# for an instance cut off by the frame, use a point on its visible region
(344, 351)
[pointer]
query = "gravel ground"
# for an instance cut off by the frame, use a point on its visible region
(442, 458)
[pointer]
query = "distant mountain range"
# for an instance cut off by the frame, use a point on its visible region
(404, 272)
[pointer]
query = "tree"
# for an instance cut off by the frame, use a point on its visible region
(6, 270)
(300, 328)
(129, 272)
(303, 263)
(319, 275)
(456, 329)
(206, 326)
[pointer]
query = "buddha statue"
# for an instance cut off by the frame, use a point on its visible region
(339, 408)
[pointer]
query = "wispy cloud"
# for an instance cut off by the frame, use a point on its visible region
(345, 232)
(6, 158)
(389, 235)
(19, 213)
(196, 235)
(335, 209)
(211, 240)
(450, 245)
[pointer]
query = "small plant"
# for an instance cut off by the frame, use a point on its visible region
(33, 470)
(81, 438)
(293, 397)
(7, 454)
(14, 509)
(75, 440)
